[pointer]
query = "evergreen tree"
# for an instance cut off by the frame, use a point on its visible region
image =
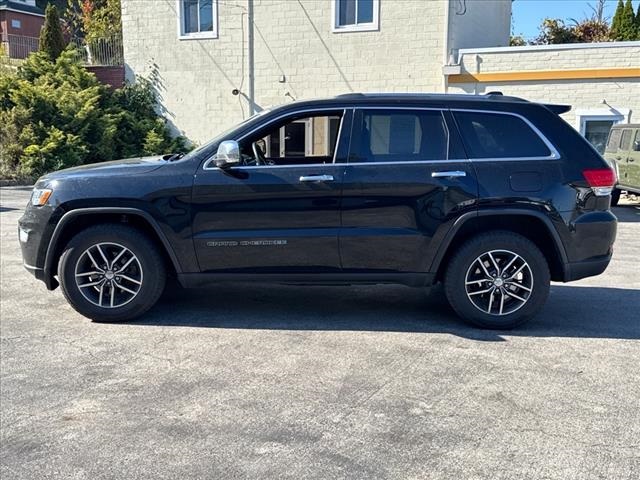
(617, 18)
(627, 23)
(51, 40)
(638, 23)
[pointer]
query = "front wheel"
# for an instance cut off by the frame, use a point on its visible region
(111, 273)
(497, 280)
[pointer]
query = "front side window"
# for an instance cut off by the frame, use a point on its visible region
(400, 136)
(494, 135)
(355, 15)
(198, 18)
(294, 141)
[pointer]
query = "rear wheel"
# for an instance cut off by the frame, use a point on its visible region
(497, 280)
(111, 273)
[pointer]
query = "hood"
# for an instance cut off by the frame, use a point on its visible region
(129, 166)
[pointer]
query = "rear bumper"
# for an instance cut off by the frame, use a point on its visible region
(586, 268)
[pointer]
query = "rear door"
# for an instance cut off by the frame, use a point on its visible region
(405, 182)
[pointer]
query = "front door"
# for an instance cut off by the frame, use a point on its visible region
(406, 177)
(279, 211)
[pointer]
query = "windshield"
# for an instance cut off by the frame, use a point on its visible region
(224, 135)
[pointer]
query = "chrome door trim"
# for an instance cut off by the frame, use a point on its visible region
(448, 174)
(316, 178)
(554, 152)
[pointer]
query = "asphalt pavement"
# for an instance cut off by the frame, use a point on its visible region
(263, 381)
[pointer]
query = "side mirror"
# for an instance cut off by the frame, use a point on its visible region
(228, 154)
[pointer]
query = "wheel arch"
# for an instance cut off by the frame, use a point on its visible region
(81, 218)
(533, 225)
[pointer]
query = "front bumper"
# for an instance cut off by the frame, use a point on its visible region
(34, 231)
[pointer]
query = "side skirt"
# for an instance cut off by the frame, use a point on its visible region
(419, 280)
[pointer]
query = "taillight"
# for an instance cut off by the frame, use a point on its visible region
(601, 180)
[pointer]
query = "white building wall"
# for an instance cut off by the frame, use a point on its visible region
(584, 95)
(294, 39)
(479, 23)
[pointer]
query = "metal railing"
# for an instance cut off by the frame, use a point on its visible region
(18, 46)
(100, 51)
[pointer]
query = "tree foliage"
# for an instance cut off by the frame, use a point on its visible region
(93, 19)
(625, 24)
(51, 39)
(56, 115)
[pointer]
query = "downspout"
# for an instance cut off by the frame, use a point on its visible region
(445, 43)
(250, 58)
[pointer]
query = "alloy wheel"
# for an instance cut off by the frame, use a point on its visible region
(108, 275)
(499, 282)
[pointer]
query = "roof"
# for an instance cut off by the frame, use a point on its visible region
(626, 125)
(439, 100)
(20, 7)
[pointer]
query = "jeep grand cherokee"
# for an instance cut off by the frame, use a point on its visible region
(494, 196)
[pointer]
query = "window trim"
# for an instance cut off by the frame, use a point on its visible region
(400, 162)
(352, 108)
(213, 34)
(373, 26)
(276, 119)
(554, 154)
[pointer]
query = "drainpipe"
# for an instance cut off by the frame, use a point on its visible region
(445, 43)
(250, 59)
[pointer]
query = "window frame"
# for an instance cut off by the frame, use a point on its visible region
(372, 26)
(346, 119)
(213, 34)
(553, 155)
(358, 123)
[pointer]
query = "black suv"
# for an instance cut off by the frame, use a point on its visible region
(494, 196)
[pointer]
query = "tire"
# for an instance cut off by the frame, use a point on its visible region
(469, 301)
(139, 284)
(615, 197)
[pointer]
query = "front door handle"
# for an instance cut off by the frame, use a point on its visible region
(451, 173)
(316, 178)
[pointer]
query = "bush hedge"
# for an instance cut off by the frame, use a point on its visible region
(55, 115)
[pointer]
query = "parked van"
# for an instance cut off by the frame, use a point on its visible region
(623, 152)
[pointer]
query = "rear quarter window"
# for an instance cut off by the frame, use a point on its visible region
(496, 135)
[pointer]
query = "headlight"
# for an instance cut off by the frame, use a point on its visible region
(40, 196)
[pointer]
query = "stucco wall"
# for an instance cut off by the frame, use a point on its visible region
(194, 78)
(584, 95)
(479, 23)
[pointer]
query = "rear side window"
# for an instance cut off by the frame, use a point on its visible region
(614, 140)
(625, 141)
(402, 135)
(494, 135)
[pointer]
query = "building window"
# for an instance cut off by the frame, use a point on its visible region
(197, 19)
(17, 24)
(356, 15)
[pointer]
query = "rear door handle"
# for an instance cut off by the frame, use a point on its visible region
(316, 178)
(451, 173)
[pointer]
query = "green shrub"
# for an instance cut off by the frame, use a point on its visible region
(51, 39)
(56, 115)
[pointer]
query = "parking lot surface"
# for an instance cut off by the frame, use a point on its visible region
(251, 381)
